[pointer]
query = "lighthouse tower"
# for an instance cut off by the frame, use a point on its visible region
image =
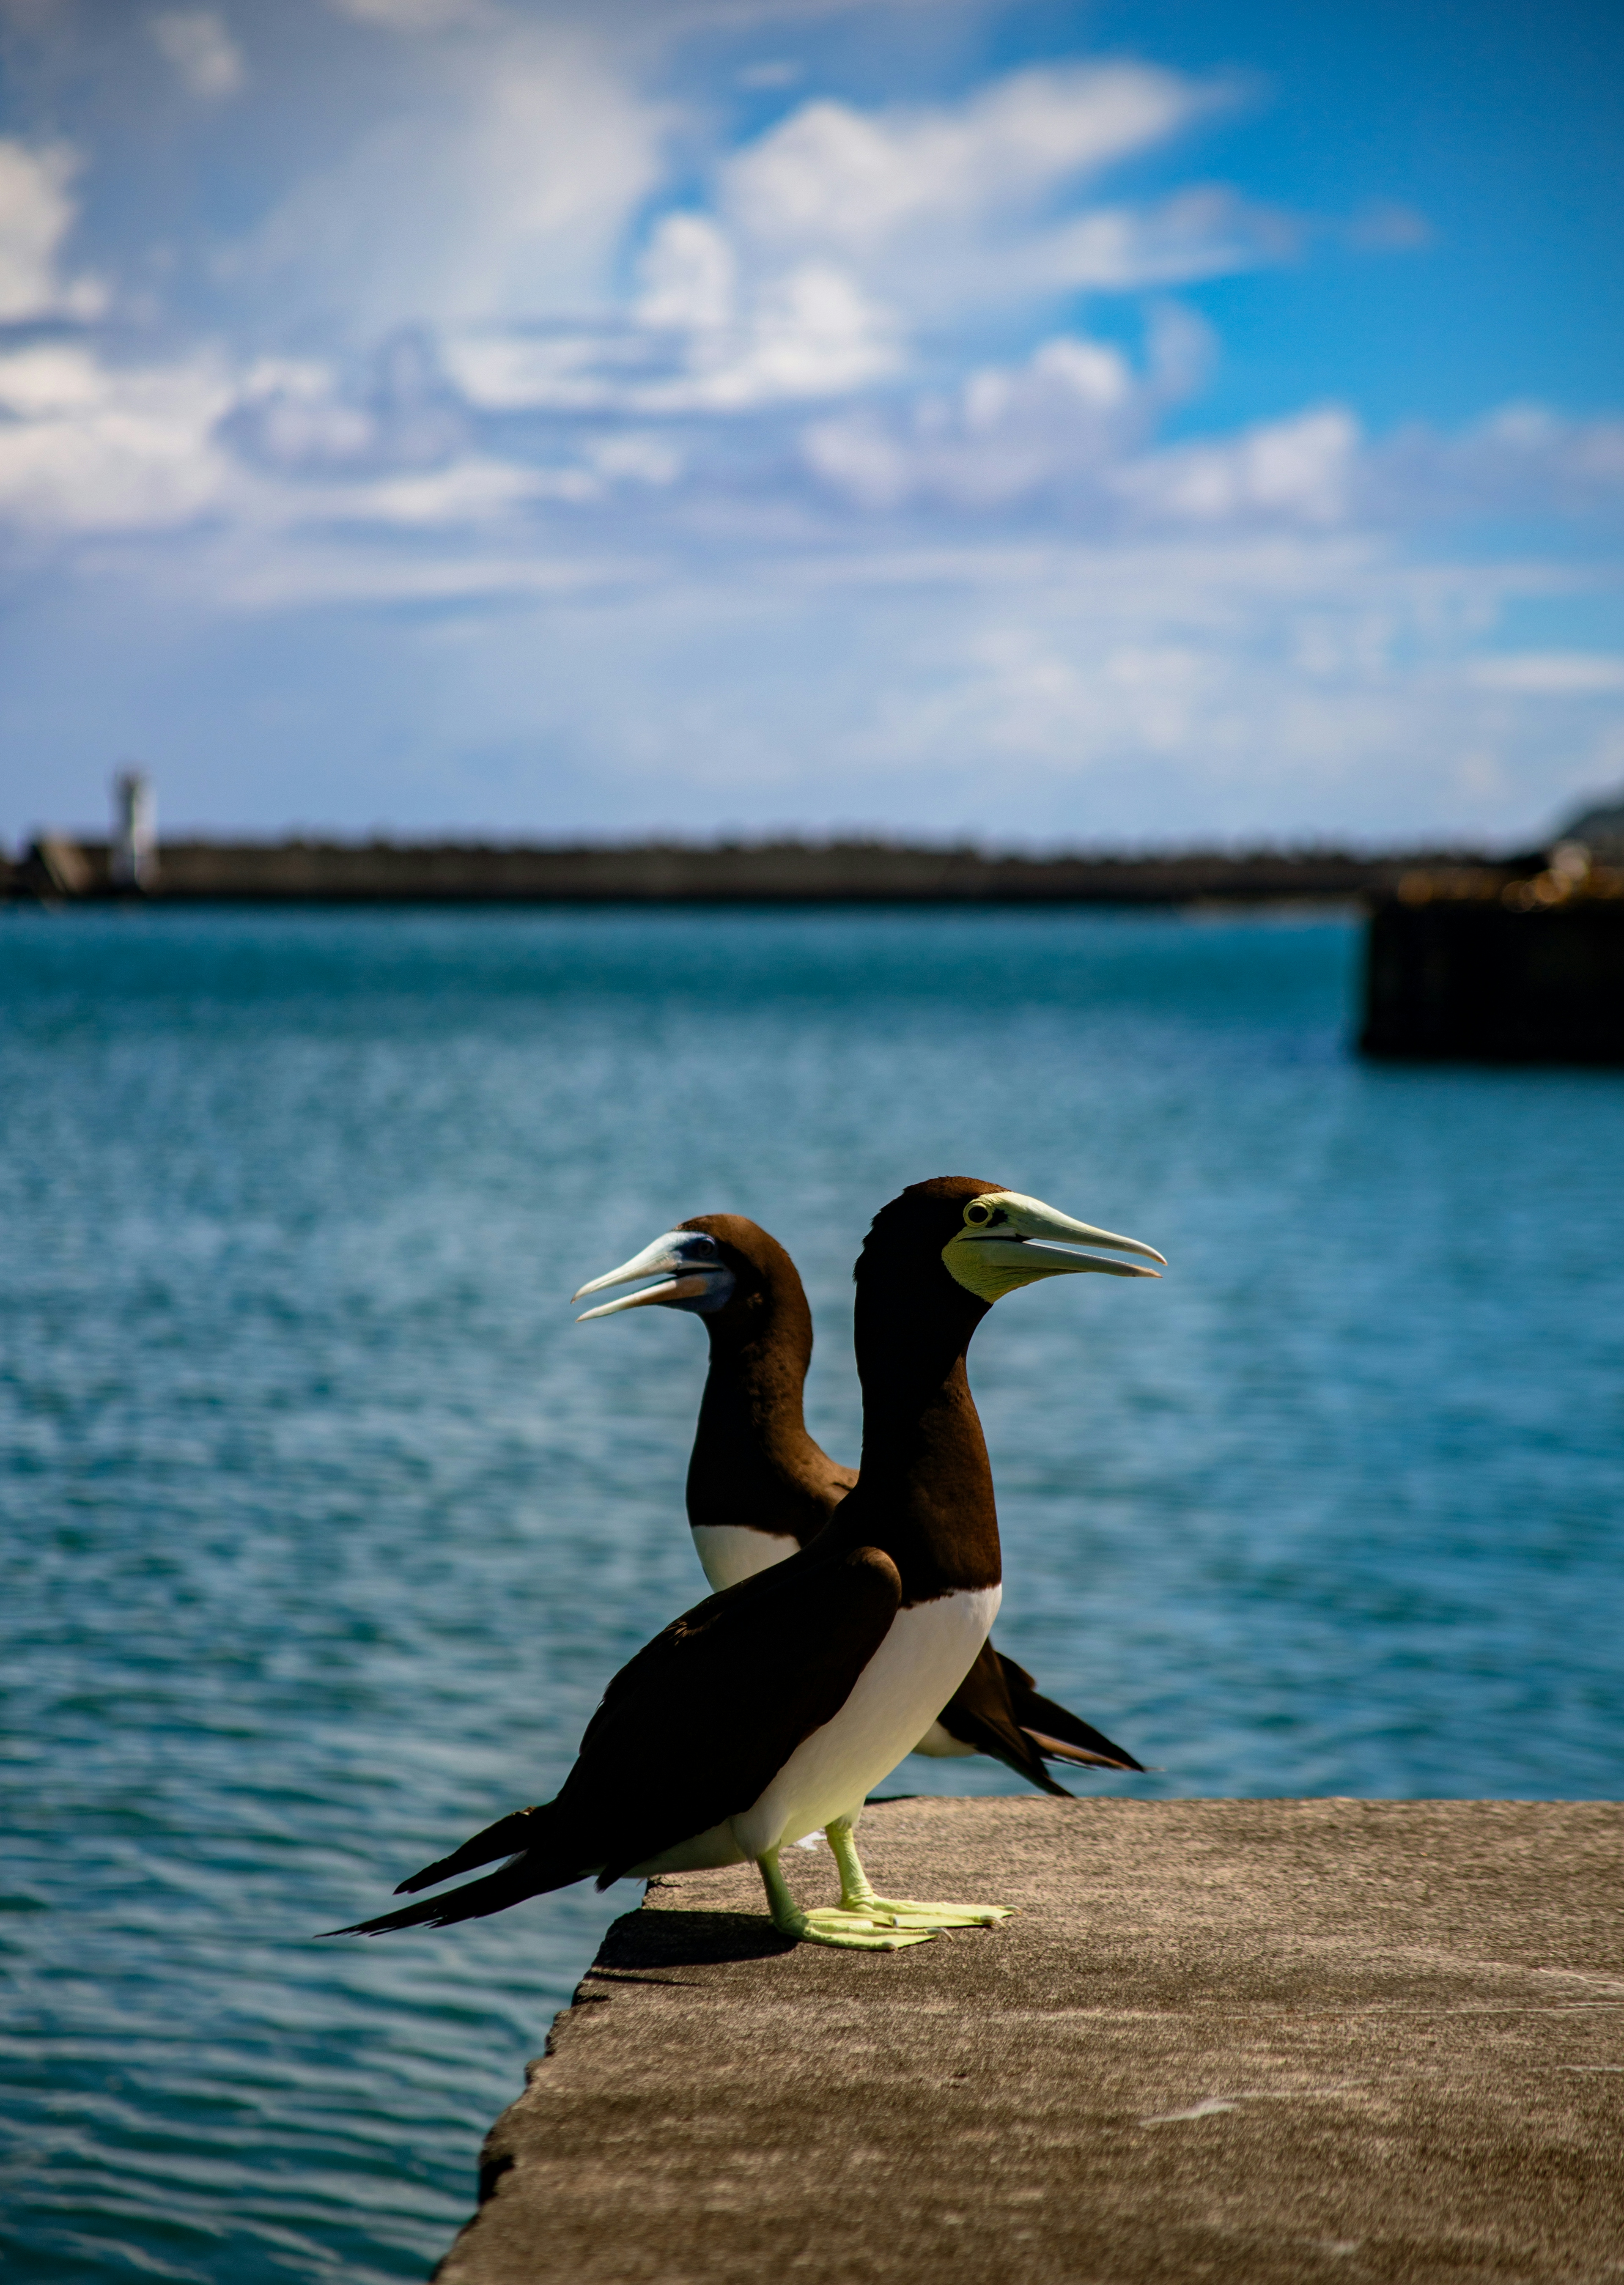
(133, 857)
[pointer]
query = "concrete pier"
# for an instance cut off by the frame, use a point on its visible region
(1262, 2042)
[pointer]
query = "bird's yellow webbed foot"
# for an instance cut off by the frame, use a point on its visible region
(831, 1924)
(857, 1898)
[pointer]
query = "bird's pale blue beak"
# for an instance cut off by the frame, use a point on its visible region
(691, 1272)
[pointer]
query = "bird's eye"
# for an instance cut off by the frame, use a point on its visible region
(977, 1213)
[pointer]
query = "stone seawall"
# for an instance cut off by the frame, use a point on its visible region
(1254, 2041)
(804, 873)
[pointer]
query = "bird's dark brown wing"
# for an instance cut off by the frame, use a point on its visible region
(701, 1720)
(692, 1731)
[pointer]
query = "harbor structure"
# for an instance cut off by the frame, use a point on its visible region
(781, 872)
(1514, 960)
(1468, 963)
(132, 853)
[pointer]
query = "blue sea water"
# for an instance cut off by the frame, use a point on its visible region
(325, 1525)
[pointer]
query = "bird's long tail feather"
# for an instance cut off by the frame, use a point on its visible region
(979, 1714)
(1060, 1749)
(524, 1828)
(545, 1852)
(525, 1876)
(1057, 1732)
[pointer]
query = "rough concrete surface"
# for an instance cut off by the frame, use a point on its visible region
(1248, 2040)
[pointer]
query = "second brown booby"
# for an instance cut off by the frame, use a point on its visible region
(769, 1711)
(760, 1489)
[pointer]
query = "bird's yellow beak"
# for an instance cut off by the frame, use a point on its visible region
(1007, 1240)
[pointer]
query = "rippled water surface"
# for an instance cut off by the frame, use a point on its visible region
(324, 1525)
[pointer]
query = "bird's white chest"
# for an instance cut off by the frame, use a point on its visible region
(926, 1655)
(940, 1745)
(728, 1552)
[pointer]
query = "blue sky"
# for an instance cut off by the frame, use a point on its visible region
(1141, 423)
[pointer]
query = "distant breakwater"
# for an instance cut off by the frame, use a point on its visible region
(66, 869)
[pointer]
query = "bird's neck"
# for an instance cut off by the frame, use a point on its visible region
(925, 1492)
(753, 1463)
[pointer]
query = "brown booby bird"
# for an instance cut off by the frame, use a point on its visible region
(769, 1711)
(759, 1488)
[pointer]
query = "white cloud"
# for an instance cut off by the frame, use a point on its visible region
(838, 232)
(1289, 684)
(634, 456)
(475, 491)
(942, 209)
(831, 177)
(500, 189)
(516, 373)
(690, 277)
(1300, 470)
(1174, 688)
(202, 50)
(36, 213)
(811, 331)
(295, 417)
(813, 428)
(1058, 435)
(89, 448)
(1318, 468)
(836, 235)
(704, 344)
(1200, 233)
(289, 412)
(1007, 436)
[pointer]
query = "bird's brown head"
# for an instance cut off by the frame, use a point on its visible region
(958, 1235)
(724, 1267)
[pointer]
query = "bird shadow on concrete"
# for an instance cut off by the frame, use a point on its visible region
(645, 1941)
